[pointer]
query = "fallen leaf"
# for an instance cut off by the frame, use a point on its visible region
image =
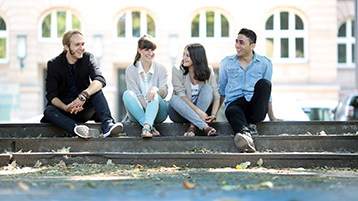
(71, 186)
(13, 164)
(246, 164)
(238, 167)
(109, 162)
(223, 182)
(91, 184)
(37, 164)
(230, 187)
(62, 164)
(321, 133)
(188, 185)
(260, 162)
(23, 187)
(267, 184)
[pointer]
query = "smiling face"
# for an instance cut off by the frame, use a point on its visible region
(146, 55)
(75, 49)
(243, 46)
(187, 62)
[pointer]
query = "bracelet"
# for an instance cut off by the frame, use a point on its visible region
(82, 97)
(85, 94)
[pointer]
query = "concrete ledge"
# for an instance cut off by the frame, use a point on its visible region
(175, 129)
(293, 160)
(338, 143)
(5, 159)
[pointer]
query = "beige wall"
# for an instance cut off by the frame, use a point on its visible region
(315, 79)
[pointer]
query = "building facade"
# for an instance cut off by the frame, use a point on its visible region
(309, 42)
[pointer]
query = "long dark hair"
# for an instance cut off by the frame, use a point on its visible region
(198, 56)
(145, 42)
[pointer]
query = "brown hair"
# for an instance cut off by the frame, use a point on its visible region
(67, 36)
(145, 42)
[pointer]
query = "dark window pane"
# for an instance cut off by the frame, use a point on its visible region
(284, 48)
(352, 28)
(284, 20)
(353, 50)
(150, 26)
(195, 27)
(224, 27)
(61, 23)
(121, 88)
(2, 24)
(269, 23)
(2, 48)
(76, 24)
(210, 24)
(136, 24)
(269, 47)
(342, 30)
(299, 23)
(342, 53)
(121, 27)
(299, 48)
(46, 27)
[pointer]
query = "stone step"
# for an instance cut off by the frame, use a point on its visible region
(269, 143)
(191, 160)
(22, 130)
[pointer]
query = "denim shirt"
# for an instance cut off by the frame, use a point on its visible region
(236, 82)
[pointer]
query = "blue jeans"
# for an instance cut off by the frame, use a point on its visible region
(181, 112)
(95, 106)
(156, 111)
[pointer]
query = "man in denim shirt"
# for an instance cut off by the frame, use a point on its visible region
(245, 85)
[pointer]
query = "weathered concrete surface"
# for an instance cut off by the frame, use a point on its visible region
(337, 143)
(175, 129)
(194, 160)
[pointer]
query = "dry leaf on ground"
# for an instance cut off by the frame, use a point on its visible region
(188, 185)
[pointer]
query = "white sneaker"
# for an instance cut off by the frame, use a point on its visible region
(113, 130)
(84, 132)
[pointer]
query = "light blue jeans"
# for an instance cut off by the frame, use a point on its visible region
(151, 115)
(181, 112)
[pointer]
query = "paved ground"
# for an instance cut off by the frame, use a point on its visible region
(124, 182)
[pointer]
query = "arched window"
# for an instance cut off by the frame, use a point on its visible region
(210, 24)
(3, 41)
(58, 22)
(345, 44)
(134, 24)
(286, 37)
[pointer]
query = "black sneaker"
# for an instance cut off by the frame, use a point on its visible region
(113, 130)
(244, 141)
(84, 132)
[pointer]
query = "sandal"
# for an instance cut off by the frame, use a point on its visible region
(154, 132)
(210, 131)
(191, 131)
(146, 133)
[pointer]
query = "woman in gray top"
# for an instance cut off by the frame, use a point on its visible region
(195, 92)
(146, 81)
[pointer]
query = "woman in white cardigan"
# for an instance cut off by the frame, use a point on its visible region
(147, 86)
(196, 96)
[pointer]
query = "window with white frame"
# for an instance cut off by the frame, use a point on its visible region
(134, 24)
(210, 24)
(56, 23)
(3, 41)
(345, 44)
(286, 37)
